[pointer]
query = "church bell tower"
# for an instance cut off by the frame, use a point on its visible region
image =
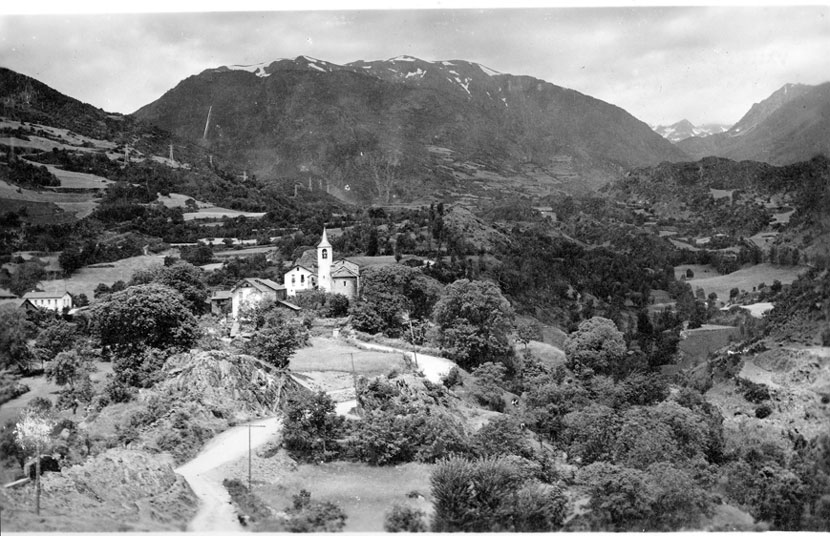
(324, 255)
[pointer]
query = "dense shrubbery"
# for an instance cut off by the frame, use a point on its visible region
(492, 495)
(312, 428)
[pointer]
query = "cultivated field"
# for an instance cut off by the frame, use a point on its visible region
(87, 278)
(81, 205)
(744, 279)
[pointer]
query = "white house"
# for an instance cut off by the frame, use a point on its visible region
(323, 272)
(251, 291)
(54, 301)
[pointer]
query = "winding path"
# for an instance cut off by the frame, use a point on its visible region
(216, 512)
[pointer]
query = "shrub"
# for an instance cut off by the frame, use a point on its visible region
(453, 378)
(314, 516)
(753, 392)
(501, 436)
(402, 518)
(252, 509)
(40, 404)
(311, 426)
(403, 433)
(492, 495)
(763, 412)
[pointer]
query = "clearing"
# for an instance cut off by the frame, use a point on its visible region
(40, 387)
(745, 278)
(87, 278)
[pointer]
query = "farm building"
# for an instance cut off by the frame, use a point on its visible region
(53, 301)
(252, 290)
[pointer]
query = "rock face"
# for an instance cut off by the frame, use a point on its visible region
(137, 488)
(233, 386)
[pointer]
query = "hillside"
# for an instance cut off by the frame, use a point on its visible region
(791, 125)
(406, 129)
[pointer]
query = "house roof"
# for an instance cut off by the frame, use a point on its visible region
(262, 285)
(222, 295)
(289, 305)
(307, 260)
(44, 295)
(6, 294)
(18, 302)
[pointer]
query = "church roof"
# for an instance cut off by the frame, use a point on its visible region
(324, 241)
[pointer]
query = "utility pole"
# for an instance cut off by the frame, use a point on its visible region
(249, 450)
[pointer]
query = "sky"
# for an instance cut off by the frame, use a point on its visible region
(661, 64)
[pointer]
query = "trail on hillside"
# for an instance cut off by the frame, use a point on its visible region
(432, 366)
(216, 512)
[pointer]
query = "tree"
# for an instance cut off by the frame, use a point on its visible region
(278, 335)
(33, 433)
(474, 321)
(141, 325)
(57, 336)
(67, 368)
(311, 425)
(595, 347)
(181, 276)
(391, 294)
(26, 277)
(15, 330)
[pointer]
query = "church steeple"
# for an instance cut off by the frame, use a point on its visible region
(324, 259)
(324, 242)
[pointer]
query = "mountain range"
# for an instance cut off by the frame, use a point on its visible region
(686, 129)
(405, 129)
(409, 130)
(791, 125)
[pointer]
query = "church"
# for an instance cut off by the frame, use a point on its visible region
(318, 269)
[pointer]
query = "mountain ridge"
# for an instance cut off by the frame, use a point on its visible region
(439, 123)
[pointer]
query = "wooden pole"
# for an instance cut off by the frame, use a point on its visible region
(37, 482)
(249, 450)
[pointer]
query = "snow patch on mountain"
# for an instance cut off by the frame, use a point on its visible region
(317, 67)
(256, 68)
(488, 71)
(418, 72)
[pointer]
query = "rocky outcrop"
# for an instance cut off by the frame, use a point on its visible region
(137, 488)
(237, 387)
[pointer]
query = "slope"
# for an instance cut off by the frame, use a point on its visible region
(406, 128)
(791, 125)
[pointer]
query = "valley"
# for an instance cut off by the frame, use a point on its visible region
(448, 299)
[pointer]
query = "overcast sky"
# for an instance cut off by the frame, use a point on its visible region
(660, 64)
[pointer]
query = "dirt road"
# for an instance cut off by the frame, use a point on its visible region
(216, 513)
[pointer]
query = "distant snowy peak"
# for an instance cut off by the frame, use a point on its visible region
(684, 129)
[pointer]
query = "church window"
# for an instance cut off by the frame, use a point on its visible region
(302, 278)
(325, 253)
(293, 279)
(344, 283)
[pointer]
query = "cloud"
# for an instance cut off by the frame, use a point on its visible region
(659, 63)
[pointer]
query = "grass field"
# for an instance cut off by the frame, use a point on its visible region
(87, 278)
(39, 387)
(365, 493)
(332, 355)
(79, 204)
(74, 179)
(744, 279)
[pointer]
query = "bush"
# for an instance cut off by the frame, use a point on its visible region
(314, 516)
(753, 392)
(403, 433)
(453, 378)
(252, 509)
(503, 435)
(402, 518)
(312, 427)
(762, 412)
(492, 495)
